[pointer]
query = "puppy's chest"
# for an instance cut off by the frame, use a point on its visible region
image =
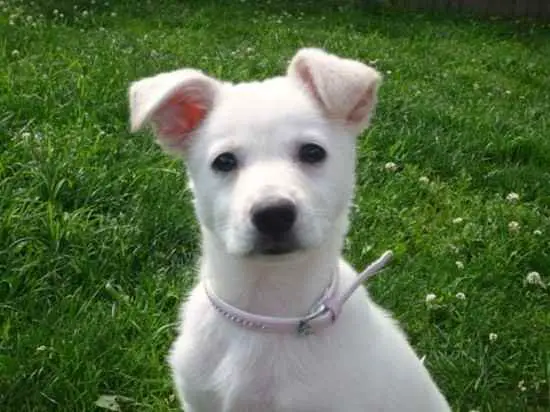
(239, 370)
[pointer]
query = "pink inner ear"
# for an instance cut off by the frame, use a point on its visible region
(307, 78)
(177, 117)
(361, 111)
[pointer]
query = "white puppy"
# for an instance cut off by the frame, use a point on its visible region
(271, 165)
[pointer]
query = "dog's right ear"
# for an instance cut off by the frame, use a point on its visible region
(175, 103)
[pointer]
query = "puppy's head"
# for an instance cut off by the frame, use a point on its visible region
(271, 163)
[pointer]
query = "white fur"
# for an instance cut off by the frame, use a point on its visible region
(361, 363)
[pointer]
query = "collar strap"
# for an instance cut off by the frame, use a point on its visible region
(322, 314)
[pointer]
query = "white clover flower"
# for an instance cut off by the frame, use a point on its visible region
(513, 226)
(85, 13)
(15, 53)
(458, 220)
(459, 264)
(493, 337)
(521, 386)
(388, 72)
(390, 167)
(113, 14)
(430, 297)
(534, 278)
(460, 296)
(424, 179)
(512, 197)
(55, 12)
(508, 92)
(25, 135)
(537, 232)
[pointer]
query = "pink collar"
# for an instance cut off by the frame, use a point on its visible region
(323, 313)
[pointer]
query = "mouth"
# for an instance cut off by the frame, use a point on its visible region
(275, 246)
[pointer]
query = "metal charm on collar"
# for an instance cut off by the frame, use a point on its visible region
(304, 328)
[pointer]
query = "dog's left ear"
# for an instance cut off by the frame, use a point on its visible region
(344, 89)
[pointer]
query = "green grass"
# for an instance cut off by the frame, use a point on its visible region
(97, 236)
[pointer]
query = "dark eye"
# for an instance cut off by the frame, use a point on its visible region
(225, 162)
(311, 153)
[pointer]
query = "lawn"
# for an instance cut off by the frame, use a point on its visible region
(98, 241)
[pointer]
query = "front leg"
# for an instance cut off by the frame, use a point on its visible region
(205, 404)
(195, 400)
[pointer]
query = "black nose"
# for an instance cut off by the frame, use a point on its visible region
(275, 217)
